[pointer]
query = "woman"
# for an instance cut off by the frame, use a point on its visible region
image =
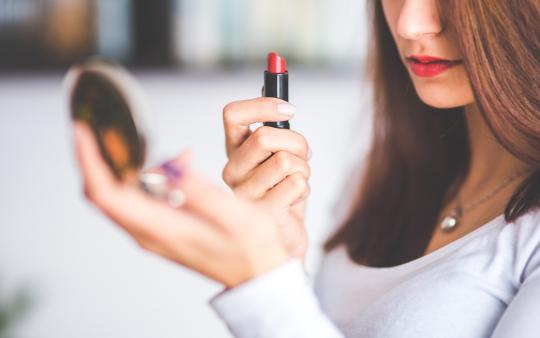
(442, 238)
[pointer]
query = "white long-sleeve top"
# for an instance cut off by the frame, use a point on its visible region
(484, 284)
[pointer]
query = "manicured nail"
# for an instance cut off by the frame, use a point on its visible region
(286, 108)
(170, 170)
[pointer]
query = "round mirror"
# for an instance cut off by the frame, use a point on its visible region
(108, 98)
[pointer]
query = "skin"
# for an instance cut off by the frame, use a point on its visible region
(224, 237)
(417, 29)
(232, 238)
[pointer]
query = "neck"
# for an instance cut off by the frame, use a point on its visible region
(490, 161)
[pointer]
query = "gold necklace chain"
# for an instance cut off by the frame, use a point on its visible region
(452, 220)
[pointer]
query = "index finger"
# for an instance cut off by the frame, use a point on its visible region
(238, 115)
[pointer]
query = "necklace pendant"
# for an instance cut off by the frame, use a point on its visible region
(450, 222)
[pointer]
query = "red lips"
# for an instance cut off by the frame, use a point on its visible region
(428, 66)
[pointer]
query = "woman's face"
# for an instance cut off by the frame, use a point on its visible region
(420, 37)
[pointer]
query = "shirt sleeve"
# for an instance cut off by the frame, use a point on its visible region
(520, 319)
(277, 304)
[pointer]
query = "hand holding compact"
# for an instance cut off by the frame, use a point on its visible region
(225, 238)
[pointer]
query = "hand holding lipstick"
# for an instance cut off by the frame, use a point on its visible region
(269, 166)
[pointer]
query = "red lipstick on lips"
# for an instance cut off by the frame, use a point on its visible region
(276, 84)
(428, 66)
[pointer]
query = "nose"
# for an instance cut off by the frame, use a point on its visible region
(419, 19)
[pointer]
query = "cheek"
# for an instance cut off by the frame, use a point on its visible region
(391, 9)
(447, 90)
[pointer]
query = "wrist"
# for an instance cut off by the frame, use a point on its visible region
(264, 264)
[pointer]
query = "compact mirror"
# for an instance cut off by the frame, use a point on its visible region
(109, 99)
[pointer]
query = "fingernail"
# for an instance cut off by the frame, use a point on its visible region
(171, 170)
(309, 153)
(286, 108)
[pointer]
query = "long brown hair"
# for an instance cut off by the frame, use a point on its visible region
(419, 154)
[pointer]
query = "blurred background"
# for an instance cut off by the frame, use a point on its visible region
(65, 270)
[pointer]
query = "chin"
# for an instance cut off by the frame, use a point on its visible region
(444, 98)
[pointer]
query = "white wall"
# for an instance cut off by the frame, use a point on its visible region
(314, 31)
(88, 278)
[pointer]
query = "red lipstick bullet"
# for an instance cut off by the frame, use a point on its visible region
(276, 64)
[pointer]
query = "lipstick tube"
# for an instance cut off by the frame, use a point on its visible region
(276, 84)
